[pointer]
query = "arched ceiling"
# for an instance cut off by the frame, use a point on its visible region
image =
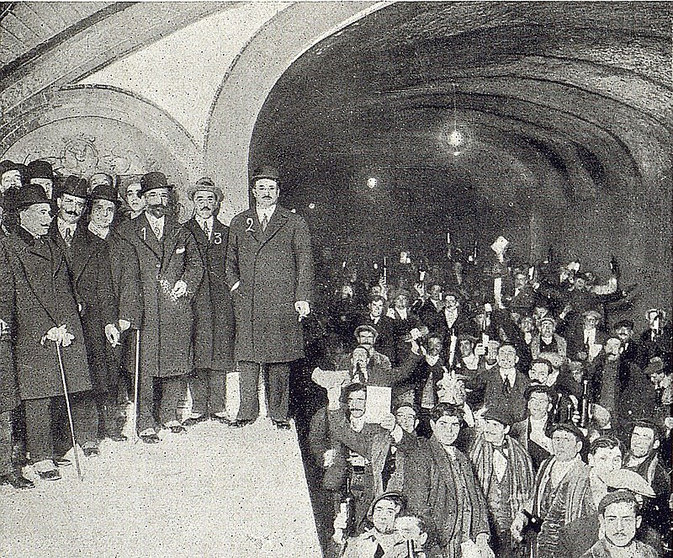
(560, 101)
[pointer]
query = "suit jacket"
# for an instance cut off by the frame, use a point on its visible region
(385, 342)
(167, 327)
(274, 269)
(36, 295)
(214, 312)
(495, 396)
(88, 261)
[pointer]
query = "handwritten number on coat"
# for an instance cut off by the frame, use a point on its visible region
(217, 238)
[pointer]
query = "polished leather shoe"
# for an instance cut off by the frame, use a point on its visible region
(241, 423)
(17, 481)
(62, 462)
(52, 475)
(152, 438)
(118, 437)
(178, 429)
(281, 424)
(91, 451)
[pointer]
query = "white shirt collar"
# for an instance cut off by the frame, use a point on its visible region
(100, 232)
(268, 211)
(402, 313)
(509, 374)
(208, 221)
(63, 226)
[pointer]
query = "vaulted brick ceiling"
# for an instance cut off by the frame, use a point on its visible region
(559, 101)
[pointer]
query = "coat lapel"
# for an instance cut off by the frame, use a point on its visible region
(85, 251)
(143, 231)
(278, 219)
(252, 225)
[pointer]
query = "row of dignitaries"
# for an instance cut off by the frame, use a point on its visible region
(100, 294)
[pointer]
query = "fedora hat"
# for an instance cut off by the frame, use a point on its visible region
(29, 195)
(205, 184)
(74, 186)
(105, 192)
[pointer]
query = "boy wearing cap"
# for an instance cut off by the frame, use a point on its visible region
(269, 270)
(171, 271)
(214, 313)
(561, 493)
(619, 516)
(505, 472)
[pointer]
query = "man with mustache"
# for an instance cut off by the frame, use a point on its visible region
(38, 309)
(88, 262)
(270, 274)
(171, 271)
(214, 332)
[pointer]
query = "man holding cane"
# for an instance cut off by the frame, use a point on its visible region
(38, 305)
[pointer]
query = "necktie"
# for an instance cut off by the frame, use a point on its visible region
(157, 231)
(265, 222)
(206, 229)
(68, 237)
(506, 387)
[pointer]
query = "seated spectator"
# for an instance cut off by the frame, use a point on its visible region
(419, 536)
(534, 433)
(548, 341)
(385, 327)
(381, 540)
(505, 472)
(585, 340)
(561, 494)
(619, 516)
(632, 350)
(642, 458)
(504, 386)
(444, 487)
(657, 339)
(605, 475)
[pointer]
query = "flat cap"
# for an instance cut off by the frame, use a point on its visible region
(205, 184)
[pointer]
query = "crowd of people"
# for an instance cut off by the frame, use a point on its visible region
(107, 299)
(521, 417)
(529, 416)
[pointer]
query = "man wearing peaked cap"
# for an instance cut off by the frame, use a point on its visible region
(36, 301)
(88, 260)
(505, 472)
(214, 313)
(561, 493)
(270, 276)
(171, 271)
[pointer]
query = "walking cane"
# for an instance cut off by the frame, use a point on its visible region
(135, 387)
(67, 405)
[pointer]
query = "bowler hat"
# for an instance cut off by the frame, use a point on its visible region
(40, 169)
(7, 165)
(29, 195)
(152, 181)
(105, 192)
(265, 171)
(205, 184)
(74, 186)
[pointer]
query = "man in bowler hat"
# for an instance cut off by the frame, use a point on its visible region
(171, 271)
(270, 274)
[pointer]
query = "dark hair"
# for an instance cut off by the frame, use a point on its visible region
(608, 442)
(376, 298)
(645, 423)
(539, 388)
(396, 499)
(425, 525)
(446, 410)
(550, 366)
(624, 323)
(352, 388)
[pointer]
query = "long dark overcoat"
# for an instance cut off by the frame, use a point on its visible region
(168, 324)
(36, 295)
(275, 270)
(214, 319)
(88, 261)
